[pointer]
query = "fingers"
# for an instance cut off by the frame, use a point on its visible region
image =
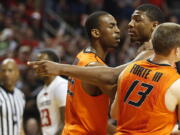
(38, 66)
(41, 67)
(35, 63)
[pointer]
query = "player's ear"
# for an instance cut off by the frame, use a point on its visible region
(95, 33)
(155, 24)
(178, 52)
(178, 60)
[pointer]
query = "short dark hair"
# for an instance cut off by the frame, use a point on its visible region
(51, 54)
(153, 12)
(166, 37)
(92, 21)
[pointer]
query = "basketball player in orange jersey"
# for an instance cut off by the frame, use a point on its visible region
(148, 90)
(86, 106)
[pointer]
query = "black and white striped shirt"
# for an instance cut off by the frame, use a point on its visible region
(11, 111)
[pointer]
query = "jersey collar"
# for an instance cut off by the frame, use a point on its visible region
(152, 62)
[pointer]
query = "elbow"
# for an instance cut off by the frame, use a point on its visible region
(108, 78)
(114, 111)
(113, 78)
(113, 114)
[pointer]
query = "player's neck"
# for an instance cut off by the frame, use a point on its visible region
(163, 59)
(100, 51)
(48, 80)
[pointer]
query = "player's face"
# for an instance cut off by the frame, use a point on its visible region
(109, 31)
(9, 74)
(140, 27)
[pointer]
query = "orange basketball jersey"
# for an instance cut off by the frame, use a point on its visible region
(141, 99)
(85, 114)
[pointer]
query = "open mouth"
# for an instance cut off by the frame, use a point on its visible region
(131, 32)
(118, 39)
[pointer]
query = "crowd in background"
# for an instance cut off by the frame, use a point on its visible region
(29, 25)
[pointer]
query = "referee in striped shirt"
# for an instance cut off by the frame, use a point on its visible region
(11, 100)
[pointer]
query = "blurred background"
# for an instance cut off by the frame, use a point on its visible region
(29, 25)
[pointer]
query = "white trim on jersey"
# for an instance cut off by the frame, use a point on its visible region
(49, 100)
(11, 111)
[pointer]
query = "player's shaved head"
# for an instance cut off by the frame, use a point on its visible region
(92, 21)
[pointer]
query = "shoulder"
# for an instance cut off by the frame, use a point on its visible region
(175, 85)
(18, 92)
(60, 87)
(86, 57)
(132, 64)
(59, 84)
(1, 88)
(144, 55)
(175, 88)
(96, 63)
(2, 91)
(41, 92)
(60, 80)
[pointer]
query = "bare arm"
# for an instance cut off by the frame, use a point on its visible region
(97, 89)
(98, 74)
(94, 75)
(175, 91)
(61, 126)
(114, 108)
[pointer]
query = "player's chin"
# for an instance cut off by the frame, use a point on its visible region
(7, 83)
(115, 45)
(133, 39)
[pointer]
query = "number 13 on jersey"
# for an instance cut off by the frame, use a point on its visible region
(143, 95)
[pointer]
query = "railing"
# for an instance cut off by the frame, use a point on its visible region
(62, 24)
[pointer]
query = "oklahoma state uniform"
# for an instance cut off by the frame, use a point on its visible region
(141, 99)
(85, 114)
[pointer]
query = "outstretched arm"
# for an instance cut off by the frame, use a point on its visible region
(97, 74)
(94, 75)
